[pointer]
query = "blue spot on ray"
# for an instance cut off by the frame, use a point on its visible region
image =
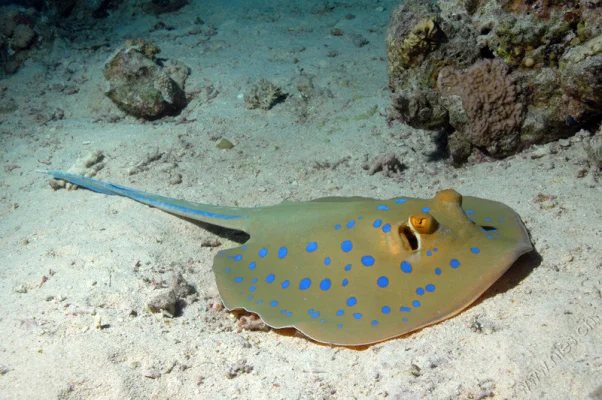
(438, 271)
(285, 284)
(406, 267)
(350, 224)
(238, 279)
(454, 263)
(420, 291)
(377, 223)
(357, 315)
(382, 207)
(346, 246)
(345, 282)
(426, 209)
(311, 247)
(337, 227)
(405, 309)
(475, 250)
(387, 228)
(351, 301)
(274, 303)
(270, 278)
(252, 265)
(327, 261)
(416, 303)
(368, 261)
(400, 201)
(325, 284)
(340, 313)
(382, 282)
(374, 323)
(237, 257)
(263, 252)
(305, 284)
(386, 309)
(282, 252)
(348, 267)
(430, 287)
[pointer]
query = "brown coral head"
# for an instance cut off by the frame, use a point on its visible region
(492, 102)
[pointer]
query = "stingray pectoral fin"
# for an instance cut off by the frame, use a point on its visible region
(228, 217)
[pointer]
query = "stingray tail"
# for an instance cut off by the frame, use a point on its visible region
(229, 217)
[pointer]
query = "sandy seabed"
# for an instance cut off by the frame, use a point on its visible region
(77, 269)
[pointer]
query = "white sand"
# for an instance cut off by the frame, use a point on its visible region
(534, 334)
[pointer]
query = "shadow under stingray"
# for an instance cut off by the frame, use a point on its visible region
(517, 272)
(233, 235)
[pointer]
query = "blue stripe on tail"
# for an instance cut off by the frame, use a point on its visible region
(138, 195)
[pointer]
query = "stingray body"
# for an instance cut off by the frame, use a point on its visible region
(354, 271)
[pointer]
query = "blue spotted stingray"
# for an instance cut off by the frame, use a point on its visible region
(354, 271)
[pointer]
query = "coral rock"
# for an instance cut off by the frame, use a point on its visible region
(23, 36)
(493, 105)
(496, 75)
(142, 86)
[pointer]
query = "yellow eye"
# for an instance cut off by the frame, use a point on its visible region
(424, 223)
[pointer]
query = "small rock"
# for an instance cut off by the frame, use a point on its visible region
(180, 286)
(539, 152)
(151, 373)
(176, 179)
(251, 323)
(581, 173)
(23, 36)
(359, 40)
(415, 370)
(98, 322)
(554, 148)
(567, 259)
(21, 289)
(238, 368)
(224, 144)
(591, 181)
(263, 95)
(389, 164)
(164, 302)
(564, 143)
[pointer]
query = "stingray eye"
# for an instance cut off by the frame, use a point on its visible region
(424, 223)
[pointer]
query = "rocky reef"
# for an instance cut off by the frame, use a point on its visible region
(497, 75)
(21, 30)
